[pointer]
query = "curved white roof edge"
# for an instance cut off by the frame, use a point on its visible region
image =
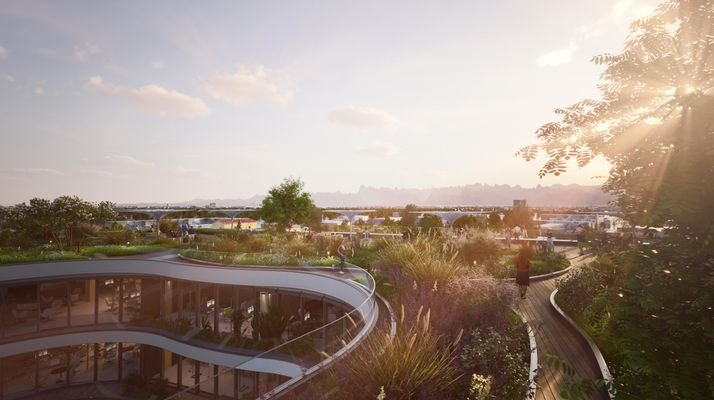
(279, 367)
(255, 276)
(349, 292)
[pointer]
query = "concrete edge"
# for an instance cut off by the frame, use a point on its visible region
(392, 316)
(604, 370)
(533, 368)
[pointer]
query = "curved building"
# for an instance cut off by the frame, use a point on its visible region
(229, 332)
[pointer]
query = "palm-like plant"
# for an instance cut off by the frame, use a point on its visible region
(654, 122)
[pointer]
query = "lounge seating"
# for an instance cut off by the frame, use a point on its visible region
(110, 303)
(48, 313)
(20, 316)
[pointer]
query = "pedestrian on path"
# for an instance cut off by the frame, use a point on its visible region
(550, 242)
(523, 268)
(342, 253)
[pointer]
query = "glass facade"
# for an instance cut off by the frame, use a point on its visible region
(223, 315)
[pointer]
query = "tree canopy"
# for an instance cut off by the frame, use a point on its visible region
(654, 121)
(287, 204)
(430, 223)
(468, 221)
(655, 124)
(409, 218)
(59, 220)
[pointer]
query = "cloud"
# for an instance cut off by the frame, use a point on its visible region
(379, 149)
(125, 161)
(557, 57)
(245, 86)
(152, 99)
(622, 12)
(82, 53)
(3, 53)
(158, 64)
(39, 91)
(364, 118)
(9, 78)
(192, 173)
(105, 174)
(39, 171)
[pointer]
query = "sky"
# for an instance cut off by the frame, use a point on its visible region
(167, 101)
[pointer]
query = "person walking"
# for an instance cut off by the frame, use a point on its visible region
(523, 268)
(550, 242)
(342, 253)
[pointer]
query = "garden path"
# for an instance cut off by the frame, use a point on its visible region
(554, 336)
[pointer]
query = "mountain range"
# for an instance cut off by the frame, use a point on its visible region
(468, 195)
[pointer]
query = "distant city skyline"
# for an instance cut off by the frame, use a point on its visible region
(168, 101)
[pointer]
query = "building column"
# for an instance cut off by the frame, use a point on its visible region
(39, 306)
(197, 306)
(179, 372)
(197, 375)
(166, 364)
(216, 304)
(120, 359)
(3, 310)
(215, 381)
(162, 298)
(93, 292)
(90, 289)
(69, 303)
(121, 299)
(96, 362)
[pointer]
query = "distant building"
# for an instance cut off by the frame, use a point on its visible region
(519, 204)
(236, 223)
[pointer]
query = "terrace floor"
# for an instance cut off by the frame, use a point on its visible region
(555, 337)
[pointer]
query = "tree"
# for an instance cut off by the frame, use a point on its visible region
(431, 223)
(654, 120)
(65, 220)
(468, 221)
(494, 221)
(655, 124)
(519, 216)
(287, 204)
(409, 218)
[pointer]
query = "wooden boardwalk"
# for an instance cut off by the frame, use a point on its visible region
(555, 337)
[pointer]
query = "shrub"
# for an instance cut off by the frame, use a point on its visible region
(299, 248)
(29, 256)
(116, 237)
(226, 246)
(480, 249)
(416, 361)
(323, 244)
(120, 251)
(501, 355)
(424, 259)
(270, 325)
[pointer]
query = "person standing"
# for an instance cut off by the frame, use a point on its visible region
(580, 236)
(342, 253)
(523, 268)
(550, 243)
(517, 233)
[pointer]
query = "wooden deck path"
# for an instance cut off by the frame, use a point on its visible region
(555, 337)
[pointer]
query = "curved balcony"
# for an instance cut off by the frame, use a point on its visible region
(172, 319)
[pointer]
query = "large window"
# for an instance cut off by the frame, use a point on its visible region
(53, 305)
(82, 296)
(108, 292)
(22, 303)
(107, 363)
